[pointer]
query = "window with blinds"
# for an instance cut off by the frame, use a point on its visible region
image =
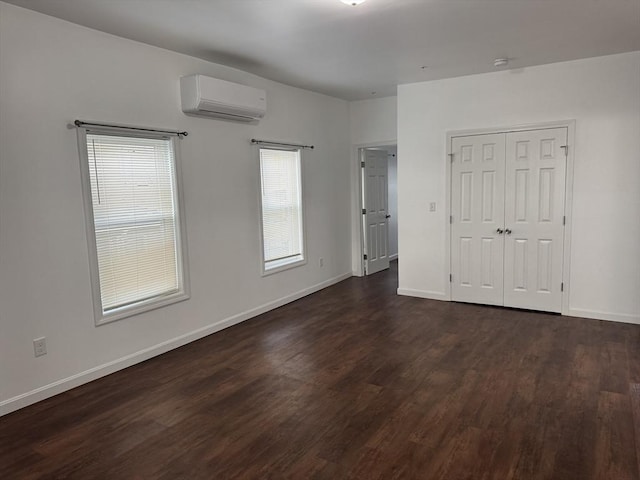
(282, 222)
(136, 224)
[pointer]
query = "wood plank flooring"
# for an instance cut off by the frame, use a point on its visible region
(354, 382)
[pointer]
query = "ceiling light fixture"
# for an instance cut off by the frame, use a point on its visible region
(353, 3)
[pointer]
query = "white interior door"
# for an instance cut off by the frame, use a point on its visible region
(507, 218)
(477, 218)
(534, 219)
(376, 210)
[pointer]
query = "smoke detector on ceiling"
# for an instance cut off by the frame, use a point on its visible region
(353, 3)
(500, 62)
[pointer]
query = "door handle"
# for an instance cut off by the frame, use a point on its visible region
(387, 216)
(499, 231)
(507, 231)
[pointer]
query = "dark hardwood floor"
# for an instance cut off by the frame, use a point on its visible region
(354, 382)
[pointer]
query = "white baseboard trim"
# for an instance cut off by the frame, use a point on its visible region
(573, 312)
(422, 294)
(46, 391)
(393, 257)
(613, 317)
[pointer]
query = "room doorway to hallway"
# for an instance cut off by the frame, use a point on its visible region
(379, 199)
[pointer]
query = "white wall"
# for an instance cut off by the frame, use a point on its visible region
(603, 96)
(373, 123)
(52, 72)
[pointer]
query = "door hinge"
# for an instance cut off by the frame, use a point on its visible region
(562, 287)
(450, 156)
(365, 256)
(364, 211)
(361, 164)
(451, 219)
(566, 149)
(564, 220)
(450, 278)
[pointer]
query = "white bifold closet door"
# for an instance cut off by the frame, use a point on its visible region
(507, 210)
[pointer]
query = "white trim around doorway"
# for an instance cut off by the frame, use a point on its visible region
(357, 246)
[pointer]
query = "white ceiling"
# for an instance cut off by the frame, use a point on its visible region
(350, 52)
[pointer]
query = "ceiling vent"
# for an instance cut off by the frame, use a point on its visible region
(211, 97)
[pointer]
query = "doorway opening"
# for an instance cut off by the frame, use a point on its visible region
(379, 207)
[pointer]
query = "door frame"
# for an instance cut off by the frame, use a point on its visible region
(570, 125)
(357, 232)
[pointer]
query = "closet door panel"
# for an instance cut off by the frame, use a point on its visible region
(477, 208)
(534, 210)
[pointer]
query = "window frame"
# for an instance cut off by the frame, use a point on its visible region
(303, 244)
(158, 301)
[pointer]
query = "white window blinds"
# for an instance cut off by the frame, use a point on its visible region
(133, 192)
(281, 207)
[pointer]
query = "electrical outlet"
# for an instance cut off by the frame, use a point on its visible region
(321, 262)
(40, 346)
(432, 207)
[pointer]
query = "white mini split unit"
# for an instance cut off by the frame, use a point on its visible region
(211, 97)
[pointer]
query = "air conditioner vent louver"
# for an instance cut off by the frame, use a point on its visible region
(211, 97)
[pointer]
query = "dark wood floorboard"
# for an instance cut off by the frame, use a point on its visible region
(354, 382)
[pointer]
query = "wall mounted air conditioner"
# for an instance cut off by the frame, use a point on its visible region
(202, 95)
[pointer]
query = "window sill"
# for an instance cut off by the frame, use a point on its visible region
(280, 268)
(139, 307)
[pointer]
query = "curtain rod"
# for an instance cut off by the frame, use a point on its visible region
(80, 123)
(280, 144)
